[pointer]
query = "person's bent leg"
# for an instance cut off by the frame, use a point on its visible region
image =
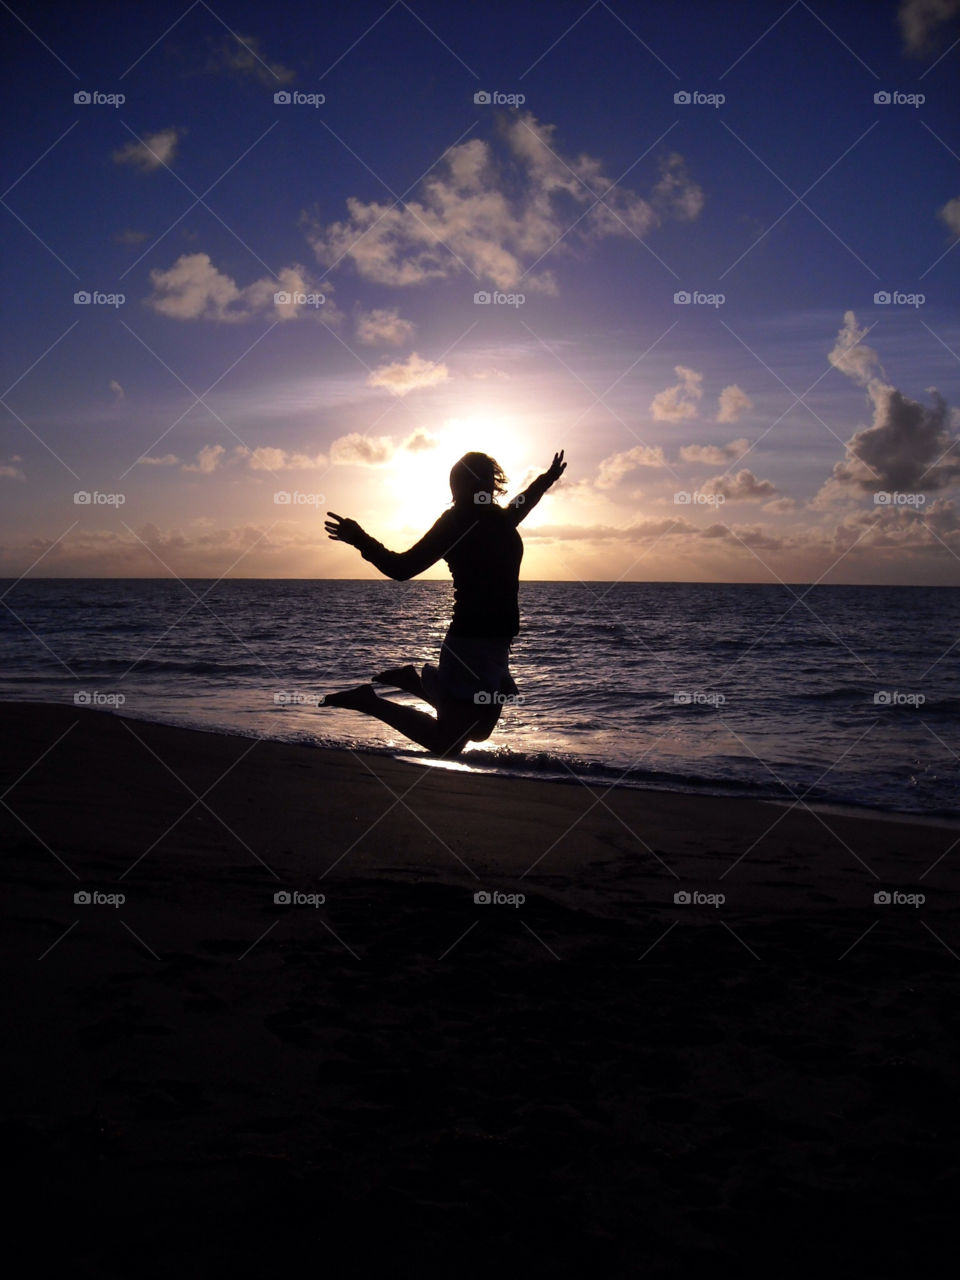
(443, 737)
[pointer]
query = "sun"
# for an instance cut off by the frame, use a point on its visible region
(419, 479)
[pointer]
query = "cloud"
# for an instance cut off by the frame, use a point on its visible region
(208, 459)
(419, 441)
(384, 325)
(950, 214)
(168, 460)
(404, 376)
(365, 451)
(920, 21)
(780, 506)
(641, 531)
(715, 455)
(494, 209)
(678, 403)
(9, 470)
(268, 458)
(743, 487)
(908, 448)
(733, 402)
(244, 56)
(194, 289)
(850, 354)
(130, 237)
(612, 470)
(118, 391)
(156, 150)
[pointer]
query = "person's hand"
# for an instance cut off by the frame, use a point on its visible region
(340, 529)
(556, 468)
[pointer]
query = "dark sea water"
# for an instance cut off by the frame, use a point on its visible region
(843, 695)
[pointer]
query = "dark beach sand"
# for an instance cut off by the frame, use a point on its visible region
(601, 1081)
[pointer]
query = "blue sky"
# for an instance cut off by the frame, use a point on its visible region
(778, 426)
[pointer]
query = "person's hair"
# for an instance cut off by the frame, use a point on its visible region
(477, 473)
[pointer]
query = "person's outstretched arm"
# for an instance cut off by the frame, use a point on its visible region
(524, 502)
(400, 565)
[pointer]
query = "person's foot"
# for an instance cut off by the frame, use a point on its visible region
(357, 699)
(398, 677)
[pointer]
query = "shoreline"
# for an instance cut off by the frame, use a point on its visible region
(407, 755)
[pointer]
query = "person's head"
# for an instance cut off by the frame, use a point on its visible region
(477, 473)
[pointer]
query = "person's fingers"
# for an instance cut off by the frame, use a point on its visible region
(334, 514)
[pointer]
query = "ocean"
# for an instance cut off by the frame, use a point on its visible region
(835, 695)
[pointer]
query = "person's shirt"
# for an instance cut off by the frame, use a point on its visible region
(483, 549)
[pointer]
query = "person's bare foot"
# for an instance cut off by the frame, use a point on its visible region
(399, 677)
(358, 699)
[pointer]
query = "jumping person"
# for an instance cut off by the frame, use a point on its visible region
(478, 539)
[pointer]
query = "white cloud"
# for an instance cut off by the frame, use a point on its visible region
(780, 506)
(9, 470)
(743, 487)
(268, 458)
(194, 289)
(612, 470)
(245, 56)
(384, 325)
(118, 391)
(365, 451)
(852, 356)
(920, 21)
(734, 401)
(404, 376)
(168, 460)
(494, 210)
(156, 150)
(678, 403)
(208, 459)
(950, 214)
(713, 454)
(909, 447)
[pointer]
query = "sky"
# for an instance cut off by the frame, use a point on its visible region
(261, 262)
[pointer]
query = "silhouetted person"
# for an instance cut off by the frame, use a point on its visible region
(479, 541)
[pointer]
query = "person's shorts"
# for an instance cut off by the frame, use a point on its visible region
(471, 669)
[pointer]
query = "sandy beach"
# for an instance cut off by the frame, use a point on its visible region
(583, 1074)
